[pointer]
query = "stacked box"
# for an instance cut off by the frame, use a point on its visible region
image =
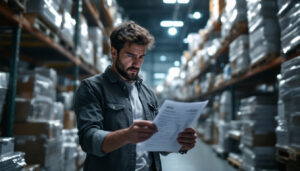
(85, 49)
(67, 28)
(10, 160)
(66, 5)
(70, 147)
(36, 95)
(4, 78)
(96, 36)
(46, 138)
(287, 130)
(223, 143)
(46, 152)
(225, 112)
(264, 34)
(47, 10)
(258, 139)
(239, 55)
(235, 11)
(66, 98)
(289, 21)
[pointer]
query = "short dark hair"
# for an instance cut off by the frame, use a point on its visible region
(132, 33)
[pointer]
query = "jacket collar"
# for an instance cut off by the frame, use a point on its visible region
(114, 77)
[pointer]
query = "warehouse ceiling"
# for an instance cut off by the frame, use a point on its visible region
(149, 14)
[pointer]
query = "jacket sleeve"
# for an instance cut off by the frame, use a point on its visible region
(89, 114)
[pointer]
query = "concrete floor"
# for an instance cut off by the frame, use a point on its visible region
(200, 158)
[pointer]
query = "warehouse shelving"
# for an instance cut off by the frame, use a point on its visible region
(251, 73)
(36, 48)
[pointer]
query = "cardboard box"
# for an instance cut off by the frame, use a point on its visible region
(22, 110)
(49, 129)
(69, 120)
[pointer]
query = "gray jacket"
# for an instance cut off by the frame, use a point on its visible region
(102, 105)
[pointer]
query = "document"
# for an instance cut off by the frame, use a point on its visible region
(173, 117)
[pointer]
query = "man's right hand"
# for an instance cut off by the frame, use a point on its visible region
(140, 131)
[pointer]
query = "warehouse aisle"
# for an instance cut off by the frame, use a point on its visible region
(201, 158)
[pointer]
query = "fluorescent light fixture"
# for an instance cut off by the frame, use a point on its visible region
(163, 58)
(169, 23)
(159, 76)
(176, 63)
(169, 1)
(172, 31)
(183, 1)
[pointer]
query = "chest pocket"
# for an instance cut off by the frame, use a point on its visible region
(115, 107)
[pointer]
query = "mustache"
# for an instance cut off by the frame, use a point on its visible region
(133, 68)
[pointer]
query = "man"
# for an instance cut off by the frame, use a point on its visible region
(115, 109)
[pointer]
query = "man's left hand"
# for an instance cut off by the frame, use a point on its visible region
(187, 139)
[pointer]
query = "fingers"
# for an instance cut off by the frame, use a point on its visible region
(189, 130)
(144, 123)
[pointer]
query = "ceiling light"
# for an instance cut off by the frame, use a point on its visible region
(197, 15)
(172, 31)
(176, 63)
(169, 23)
(169, 1)
(163, 58)
(160, 88)
(183, 1)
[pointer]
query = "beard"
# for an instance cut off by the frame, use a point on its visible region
(122, 71)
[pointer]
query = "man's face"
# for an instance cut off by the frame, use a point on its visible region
(129, 60)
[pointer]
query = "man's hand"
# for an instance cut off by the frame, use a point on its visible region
(187, 139)
(140, 131)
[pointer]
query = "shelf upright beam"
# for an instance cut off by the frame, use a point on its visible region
(77, 41)
(12, 85)
(233, 102)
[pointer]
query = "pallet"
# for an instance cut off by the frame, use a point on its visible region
(234, 163)
(39, 24)
(286, 154)
(264, 60)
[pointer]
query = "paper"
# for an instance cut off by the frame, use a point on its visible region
(173, 117)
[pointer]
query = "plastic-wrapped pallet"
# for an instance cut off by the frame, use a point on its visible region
(4, 78)
(289, 21)
(258, 139)
(104, 62)
(225, 106)
(287, 130)
(235, 11)
(264, 34)
(258, 158)
(223, 129)
(47, 9)
(239, 55)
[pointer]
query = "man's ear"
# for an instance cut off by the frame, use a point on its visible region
(114, 53)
